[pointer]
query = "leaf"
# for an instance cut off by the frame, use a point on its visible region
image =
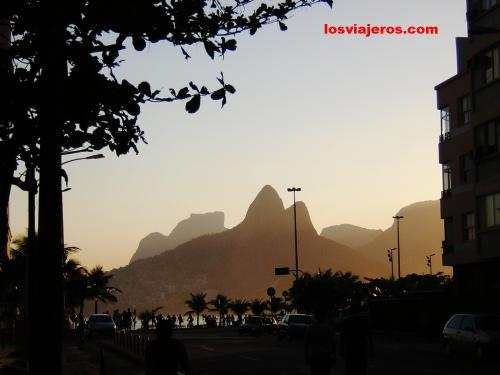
(186, 55)
(204, 91)
(329, 2)
(230, 89)
(64, 175)
(283, 27)
(144, 88)
(193, 86)
(193, 104)
(230, 44)
(183, 93)
(138, 42)
(219, 94)
(210, 48)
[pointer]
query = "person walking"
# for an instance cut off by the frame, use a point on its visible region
(356, 341)
(166, 355)
(320, 346)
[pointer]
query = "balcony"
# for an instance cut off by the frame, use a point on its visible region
(444, 137)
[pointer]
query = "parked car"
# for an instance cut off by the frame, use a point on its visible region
(100, 324)
(294, 326)
(477, 334)
(257, 325)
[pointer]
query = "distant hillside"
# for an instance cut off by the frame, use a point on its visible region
(421, 233)
(238, 262)
(350, 235)
(194, 226)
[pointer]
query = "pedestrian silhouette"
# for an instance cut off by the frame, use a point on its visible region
(356, 340)
(166, 355)
(320, 346)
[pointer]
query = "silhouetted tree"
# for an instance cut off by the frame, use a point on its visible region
(258, 306)
(197, 304)
(98, 288)
(240, 307)
(69, 60)
(325, 291)
(221, 304)
(386, 288)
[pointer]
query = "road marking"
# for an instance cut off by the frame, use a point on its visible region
(249, 358)
(207, 348)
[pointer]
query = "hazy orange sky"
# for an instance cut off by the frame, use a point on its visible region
(351, 120)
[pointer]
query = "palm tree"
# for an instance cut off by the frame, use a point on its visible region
(197, 304)
(221, 303)
(258, 306)
(98, 288)
(240, 307)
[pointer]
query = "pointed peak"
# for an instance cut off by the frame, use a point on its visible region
(304, 223)
(266, 205)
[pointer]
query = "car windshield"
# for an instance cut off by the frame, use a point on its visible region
(489, 323)
(100, 319)
(301, 319)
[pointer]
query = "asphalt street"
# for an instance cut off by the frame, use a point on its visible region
(221, 352)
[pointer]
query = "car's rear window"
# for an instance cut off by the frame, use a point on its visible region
(100, 319)
(300, 319)
(488, 323)
(455, 322)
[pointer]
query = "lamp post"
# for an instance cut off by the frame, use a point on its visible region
(294, 190)
(428, 258)
(398, 217)
(391, 260)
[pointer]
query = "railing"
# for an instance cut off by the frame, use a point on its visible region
(131, 342)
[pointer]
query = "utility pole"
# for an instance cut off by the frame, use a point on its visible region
(391, 260)
(428, 258)
(294, 190)
(398, 217)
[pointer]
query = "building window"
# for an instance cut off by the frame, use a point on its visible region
(465, 110)
(492, 210)
(487, 138)
(492, 65)
(466, 168)
(488, 4)
(445, 123)
(469, 226)
(446, 178)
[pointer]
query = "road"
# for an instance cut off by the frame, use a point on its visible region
(221, 352)
(227, 353)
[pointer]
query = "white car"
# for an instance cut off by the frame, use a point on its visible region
(100, 324)
(477, 334)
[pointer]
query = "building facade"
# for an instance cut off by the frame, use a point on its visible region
(469, 152)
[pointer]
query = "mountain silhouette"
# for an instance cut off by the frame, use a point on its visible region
(194, 226)
(238, 262)
(350, 235)
(421, 234)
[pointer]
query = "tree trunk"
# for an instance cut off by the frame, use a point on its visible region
(198, 319)
(47, 307)
(95, 306)
(6, 174)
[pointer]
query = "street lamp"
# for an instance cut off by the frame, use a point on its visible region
(391, 260)
(294, 190)
(428, 258)
(398, 217)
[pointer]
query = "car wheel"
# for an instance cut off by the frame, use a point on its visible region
(448, 351)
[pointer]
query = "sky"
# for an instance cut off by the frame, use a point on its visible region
(351, 120)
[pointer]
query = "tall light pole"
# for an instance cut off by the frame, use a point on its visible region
(391, 260)
(294, 190)
(428, 258)
(398, 217)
